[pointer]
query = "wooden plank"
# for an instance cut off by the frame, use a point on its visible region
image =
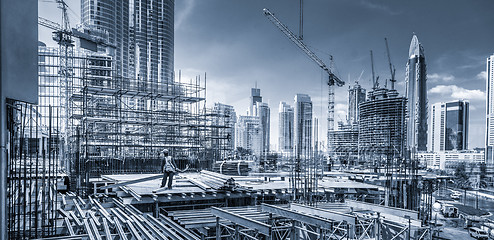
(200, 184)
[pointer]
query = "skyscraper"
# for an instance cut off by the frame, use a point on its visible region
(264, 114)
(248, 134)
(303, 126)
(143, 33)
(356, 95)
(285, 137)
(489, 136)
(416, 93)
(448, 128)
(255, 97)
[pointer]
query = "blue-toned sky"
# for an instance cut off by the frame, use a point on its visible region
(238, 46)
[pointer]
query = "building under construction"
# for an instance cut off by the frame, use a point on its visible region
(119, 125)
(345, 144)
(382, 128)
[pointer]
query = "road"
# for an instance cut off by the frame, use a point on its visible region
(484, 203)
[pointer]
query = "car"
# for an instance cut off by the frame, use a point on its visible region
(478, 233)
(455, 196)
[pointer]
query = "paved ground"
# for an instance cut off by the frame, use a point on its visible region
(455, 233)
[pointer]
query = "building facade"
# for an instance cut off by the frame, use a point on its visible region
(249, 134)
(416, 93)
(143, 33)
(356, 95)
(448, 126)
(381, 128)
(449, 160)
(303, 126)
(222, 127)
(255, 97)
(489, 136)
(264, 114)
(285, 128)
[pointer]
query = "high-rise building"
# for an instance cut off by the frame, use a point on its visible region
(382, 127)
(303, 126)
(489, 136)
(285, 133)
(448, 126)
(264, 114)
(416, 93)
(356, 95)
(143, 33)
(255, 97)
(248, 134)
(223, 120)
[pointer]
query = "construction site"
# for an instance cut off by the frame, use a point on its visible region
(86, 159)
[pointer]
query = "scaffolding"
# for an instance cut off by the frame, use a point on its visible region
(345, 145)
(118, 125)
(33, 171)
(382, 130)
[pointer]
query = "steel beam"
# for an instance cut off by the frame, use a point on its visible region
(383, 209)
(335, 216)
(131, 182)
(298, 216)
(241, 220)
(120, 230)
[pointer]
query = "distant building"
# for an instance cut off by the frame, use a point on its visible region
(344, 142)
(356, 95)
(448, 126)
(223, 121)
(264, 113)
(142, 32)
(489, 136)
(255, 97)
(249, 134)
(303, 126)
(285, 129)
(416, 93)
(449, 160)
(382, 127)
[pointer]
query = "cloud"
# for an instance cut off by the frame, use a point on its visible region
(482, 75)
(437, 78)
(379, 7)
(456, 92)
(182, 14)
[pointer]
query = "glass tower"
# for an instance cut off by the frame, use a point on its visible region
(416, 92)
(143, 34)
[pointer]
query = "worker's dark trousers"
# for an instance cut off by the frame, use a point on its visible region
(169, 176)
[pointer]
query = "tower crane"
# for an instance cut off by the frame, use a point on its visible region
(375, 81)
(391, 66)
(332, 80)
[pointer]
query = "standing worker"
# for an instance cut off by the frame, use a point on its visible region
(168, 167)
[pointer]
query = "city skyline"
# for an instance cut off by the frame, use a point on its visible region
(244, 47)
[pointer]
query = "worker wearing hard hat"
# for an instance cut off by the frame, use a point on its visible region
(168, 167)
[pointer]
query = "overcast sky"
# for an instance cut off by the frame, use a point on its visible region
(238, 46)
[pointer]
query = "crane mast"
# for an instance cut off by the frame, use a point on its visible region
(392, 69)
(332, 80)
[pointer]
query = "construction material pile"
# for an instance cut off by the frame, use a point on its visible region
(232, 168)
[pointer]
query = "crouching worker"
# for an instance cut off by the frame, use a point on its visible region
(168, 167)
